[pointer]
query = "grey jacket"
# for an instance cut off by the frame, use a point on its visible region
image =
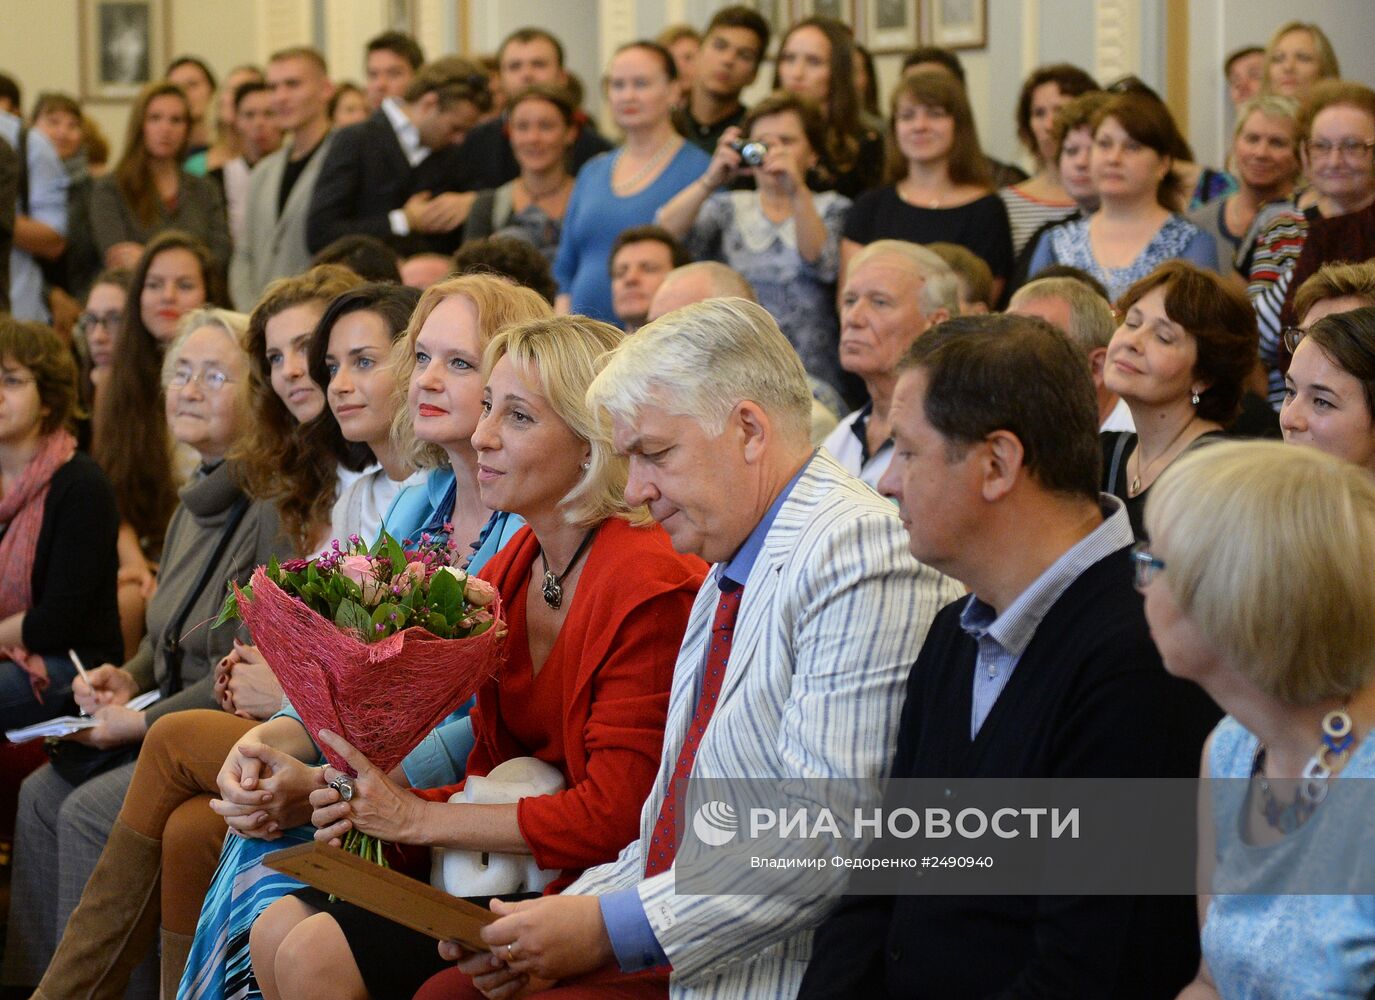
(273, 246)
(192, 537)
(200, 212)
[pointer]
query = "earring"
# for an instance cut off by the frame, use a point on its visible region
(586, 466)
(1194, 398)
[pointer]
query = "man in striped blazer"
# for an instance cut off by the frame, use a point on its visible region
(791, 667)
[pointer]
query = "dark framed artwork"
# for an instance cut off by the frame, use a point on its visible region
(123, 46)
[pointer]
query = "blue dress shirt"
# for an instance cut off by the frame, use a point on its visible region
(632, 938)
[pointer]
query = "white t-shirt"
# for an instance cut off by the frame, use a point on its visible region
(847, 448)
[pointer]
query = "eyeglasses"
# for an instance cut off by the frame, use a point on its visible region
(10, 382)
(1351, 150)
(1291, 335)
(112, 321)
(213, 380)
(1145, 565)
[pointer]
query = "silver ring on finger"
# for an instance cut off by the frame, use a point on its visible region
(344, 786)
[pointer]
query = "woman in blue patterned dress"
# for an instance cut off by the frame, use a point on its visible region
(783, 237)
(1135, 228)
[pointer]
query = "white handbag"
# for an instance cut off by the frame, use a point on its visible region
(486, 873)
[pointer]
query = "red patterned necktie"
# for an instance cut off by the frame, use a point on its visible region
(664, 844)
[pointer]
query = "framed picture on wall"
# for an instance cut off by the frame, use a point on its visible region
(892, 25)
(959, 24)
(840, 10)
(123, 46)
(400, 15)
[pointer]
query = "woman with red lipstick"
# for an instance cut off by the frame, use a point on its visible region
(596, 601)
(148, 192)
(1179, 360)
(1135, 227)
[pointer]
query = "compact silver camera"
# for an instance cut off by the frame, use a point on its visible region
(751, 152)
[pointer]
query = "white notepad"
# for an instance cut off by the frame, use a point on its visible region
(68, 724)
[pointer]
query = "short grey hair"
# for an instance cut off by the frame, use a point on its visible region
(940, 284)
(1091, 321)
(233, 325)
(724, 282)
(1275, 106)
(702, 361)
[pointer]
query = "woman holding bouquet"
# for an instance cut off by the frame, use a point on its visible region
(596, 601)
(67, 810)
(436, 365)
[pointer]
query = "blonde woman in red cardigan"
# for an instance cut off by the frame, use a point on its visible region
(596, 602)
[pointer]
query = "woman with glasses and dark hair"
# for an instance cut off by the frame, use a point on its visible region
(1337, 145)
(98, 326)
(1293, 666)
(1179, 361)
(1329, 389)
(58, 526)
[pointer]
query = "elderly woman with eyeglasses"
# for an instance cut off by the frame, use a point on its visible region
(1258, 588)
(1337, 143)
(216, 535)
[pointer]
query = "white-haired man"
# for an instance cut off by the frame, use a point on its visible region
(814, 612)
(1085, 317)
(710, 279)
(894, 292)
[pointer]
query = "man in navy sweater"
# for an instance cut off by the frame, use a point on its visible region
(1046, 670)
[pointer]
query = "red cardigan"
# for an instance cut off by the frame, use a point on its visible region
(622, 634)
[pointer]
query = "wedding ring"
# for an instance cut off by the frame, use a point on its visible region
(344, 786)
(511, 952)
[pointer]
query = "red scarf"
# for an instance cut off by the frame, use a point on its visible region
(21, 516)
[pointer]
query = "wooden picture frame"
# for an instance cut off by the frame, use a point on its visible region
(123, 46)
(844, 11)
(892, 26)
(959, 24)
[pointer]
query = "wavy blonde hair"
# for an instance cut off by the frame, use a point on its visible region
(562, 355)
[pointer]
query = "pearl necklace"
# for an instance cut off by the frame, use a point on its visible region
(658, 157)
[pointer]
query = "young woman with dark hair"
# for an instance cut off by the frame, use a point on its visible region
(816, 61)
(942, 190)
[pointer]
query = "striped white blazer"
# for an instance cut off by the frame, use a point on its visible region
(834, 613)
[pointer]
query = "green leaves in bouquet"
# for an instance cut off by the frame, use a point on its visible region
(446, 597)
(229, 611)
(354, 617)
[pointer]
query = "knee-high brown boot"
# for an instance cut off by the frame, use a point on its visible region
(175, 949)
(113, 926)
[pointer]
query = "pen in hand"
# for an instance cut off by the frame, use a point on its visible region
(80, 669)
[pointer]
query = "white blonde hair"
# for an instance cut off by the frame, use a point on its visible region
(940, 284)
(702, 361)
(234, 325)
(1269, 548)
